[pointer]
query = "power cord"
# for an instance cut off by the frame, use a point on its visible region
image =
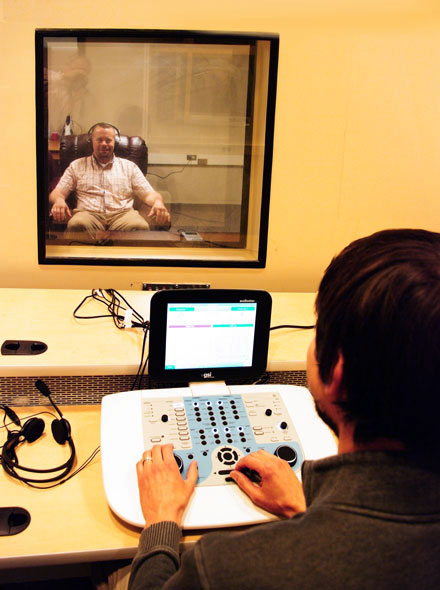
(292, 326)
(80, 468)
(123, 315)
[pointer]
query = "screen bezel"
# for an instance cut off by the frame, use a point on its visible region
(158, 325)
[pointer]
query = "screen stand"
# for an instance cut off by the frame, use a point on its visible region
(218, 388)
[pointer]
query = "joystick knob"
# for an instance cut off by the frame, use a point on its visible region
(179, 462)
(287, 454)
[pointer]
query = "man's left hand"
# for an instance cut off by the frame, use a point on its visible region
(279, 491)
(164, 494)
(160, 213)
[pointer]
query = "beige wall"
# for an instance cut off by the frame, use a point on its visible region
(357, 137)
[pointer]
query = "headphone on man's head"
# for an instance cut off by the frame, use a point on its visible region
(104, 124)
(31, 430)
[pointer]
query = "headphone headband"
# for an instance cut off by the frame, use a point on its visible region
(104, 125)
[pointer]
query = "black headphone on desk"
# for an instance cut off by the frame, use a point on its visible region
(31, 430)
(104, 125)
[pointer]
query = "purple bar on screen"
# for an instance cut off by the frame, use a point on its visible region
(190, 326)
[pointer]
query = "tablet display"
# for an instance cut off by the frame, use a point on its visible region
(208, 334)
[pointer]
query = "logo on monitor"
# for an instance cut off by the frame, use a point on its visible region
(208, 375)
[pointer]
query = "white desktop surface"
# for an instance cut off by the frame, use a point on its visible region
(97, 347)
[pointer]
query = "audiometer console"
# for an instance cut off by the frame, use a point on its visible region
(217, 430)
(202, 337)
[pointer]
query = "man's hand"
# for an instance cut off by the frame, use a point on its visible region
(279, 491)
(160, 213)
(60, 211)
(164, 494)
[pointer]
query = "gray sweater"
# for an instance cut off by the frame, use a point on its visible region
(372, 522)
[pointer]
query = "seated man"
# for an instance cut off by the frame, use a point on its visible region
(368, 517)
(105, 187)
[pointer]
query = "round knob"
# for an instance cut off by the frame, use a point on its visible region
(179, 462)
(164, 417)
(287, 454)
(268, 412)
(283, 425)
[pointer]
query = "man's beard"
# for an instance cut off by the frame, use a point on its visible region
(326, 419)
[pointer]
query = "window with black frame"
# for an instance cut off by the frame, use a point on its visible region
(154, 147)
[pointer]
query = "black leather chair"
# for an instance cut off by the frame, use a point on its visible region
(132, 148)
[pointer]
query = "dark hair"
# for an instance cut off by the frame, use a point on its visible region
(379, 305)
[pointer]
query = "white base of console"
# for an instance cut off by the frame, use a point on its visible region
(122, 444)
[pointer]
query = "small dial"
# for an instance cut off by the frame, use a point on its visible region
(179, 462)
(287, 454)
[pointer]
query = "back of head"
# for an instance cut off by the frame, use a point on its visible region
(379, 305)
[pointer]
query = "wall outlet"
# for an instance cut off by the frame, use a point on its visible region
(202, 161)
(191, 157)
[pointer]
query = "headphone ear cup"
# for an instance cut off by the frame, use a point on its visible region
(9, 447)
(32, 429)
(61, 430)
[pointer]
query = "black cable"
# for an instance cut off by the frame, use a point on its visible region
(112, 300)
(103, 242)
(117, 307)
(141, 370)
(172, 172)
(58, 483)
(292, 326)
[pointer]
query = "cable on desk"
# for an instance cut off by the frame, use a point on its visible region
(124, 316)
(120, 314)
(80, 468)
(292, 326)
(142, 367)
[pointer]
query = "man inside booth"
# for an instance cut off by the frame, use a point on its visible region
(105, 187)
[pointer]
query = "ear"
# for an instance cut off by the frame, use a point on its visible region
(334, 389)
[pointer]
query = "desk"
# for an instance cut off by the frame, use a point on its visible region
(72, 523)
(96, 347)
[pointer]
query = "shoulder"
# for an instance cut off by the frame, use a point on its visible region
(123, 162)
(80, 164)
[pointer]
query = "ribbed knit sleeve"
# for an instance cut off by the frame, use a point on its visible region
(157, 558)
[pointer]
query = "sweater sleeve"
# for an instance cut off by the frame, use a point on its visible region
(157, 557)
(157, 564)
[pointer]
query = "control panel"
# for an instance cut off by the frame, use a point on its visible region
(218, 430)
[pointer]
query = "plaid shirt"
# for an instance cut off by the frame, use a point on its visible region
(104, 188)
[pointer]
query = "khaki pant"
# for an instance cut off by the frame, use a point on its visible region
(125, 220)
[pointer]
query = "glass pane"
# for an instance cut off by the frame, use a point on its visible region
(193, 111)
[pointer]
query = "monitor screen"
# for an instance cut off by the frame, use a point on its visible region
(208, 334)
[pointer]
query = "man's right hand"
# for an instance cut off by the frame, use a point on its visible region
(60, 211)
(279, 491)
